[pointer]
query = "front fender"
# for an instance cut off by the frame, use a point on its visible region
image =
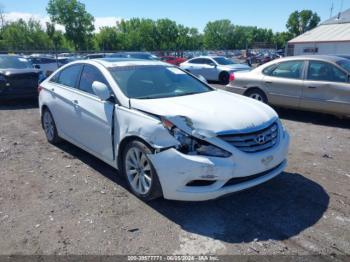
(149, 128)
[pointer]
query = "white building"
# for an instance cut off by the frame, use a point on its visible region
(330, 37)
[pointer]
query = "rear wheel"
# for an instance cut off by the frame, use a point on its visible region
(257, 94)
(49, 126)
(139, 171)
(224, 78)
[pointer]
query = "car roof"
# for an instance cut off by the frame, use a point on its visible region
(332, 58)
(115, 62)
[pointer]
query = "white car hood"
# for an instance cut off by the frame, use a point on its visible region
(216, 111)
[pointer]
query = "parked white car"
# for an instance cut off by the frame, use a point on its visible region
(213, 68)
(167, 132)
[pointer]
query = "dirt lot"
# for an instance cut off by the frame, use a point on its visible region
(61, 200)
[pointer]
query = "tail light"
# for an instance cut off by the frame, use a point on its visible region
(232, 77)
(40, 88)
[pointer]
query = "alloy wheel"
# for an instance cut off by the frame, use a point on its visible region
(48, 126)
(138, 171)
(256, 97)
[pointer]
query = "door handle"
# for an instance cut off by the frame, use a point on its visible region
(75, 103)
(268, 82)
(312, 87)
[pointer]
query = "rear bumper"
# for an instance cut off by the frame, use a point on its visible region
(228, 175)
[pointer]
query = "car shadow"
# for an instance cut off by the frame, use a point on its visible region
(312, 117)
(17, 104)
(278, 209)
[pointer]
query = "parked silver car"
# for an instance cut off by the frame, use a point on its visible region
(214, 68)
(315, 83)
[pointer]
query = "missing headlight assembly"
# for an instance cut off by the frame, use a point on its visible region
(191, 145)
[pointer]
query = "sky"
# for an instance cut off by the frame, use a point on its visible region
(193, 13)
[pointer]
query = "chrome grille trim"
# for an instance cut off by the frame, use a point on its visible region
(248, 142)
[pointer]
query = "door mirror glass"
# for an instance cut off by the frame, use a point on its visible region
(202, 78)
(101, 90)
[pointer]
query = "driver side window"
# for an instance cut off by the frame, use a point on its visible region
(88, 76)
(322, 71)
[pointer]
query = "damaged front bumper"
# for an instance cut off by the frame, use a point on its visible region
(181, 175)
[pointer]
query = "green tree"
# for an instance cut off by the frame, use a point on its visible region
(22, 35)
(108, 39)
(280, 39)
(78, 23)
(300, 22)
(219, 34)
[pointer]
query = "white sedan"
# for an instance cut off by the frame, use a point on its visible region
(169, 133)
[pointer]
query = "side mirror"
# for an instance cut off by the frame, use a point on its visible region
(202, 78)
(101, 90)
(37, 66)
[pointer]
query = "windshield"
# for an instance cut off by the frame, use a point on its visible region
(148, 82)
(344, 64)
(14, 62)
(223, 61)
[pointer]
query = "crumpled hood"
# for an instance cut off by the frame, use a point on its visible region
(216, 111)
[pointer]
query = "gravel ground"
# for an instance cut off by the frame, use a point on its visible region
(61, 200)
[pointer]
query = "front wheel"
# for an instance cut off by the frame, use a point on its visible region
(139, 171)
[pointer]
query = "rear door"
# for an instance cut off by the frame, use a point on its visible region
(209, 69)
(64, 96)
(326, 88)
(195, 65)
(284, 83)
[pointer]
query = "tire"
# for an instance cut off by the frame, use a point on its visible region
(139, 172)
(257, 94)
(49, 126)
(224, 78)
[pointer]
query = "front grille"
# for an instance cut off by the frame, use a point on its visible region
(239, 180)
(23, 81)
(254, 141)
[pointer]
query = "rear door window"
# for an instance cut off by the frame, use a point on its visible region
(70, 75)
(196, 61)
(289, 69)
(323, 71)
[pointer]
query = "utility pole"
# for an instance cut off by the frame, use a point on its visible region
(332, 6)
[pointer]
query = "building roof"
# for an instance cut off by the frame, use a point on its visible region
(343, 17)
(335, 29)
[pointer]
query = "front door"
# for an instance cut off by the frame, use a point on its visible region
(326, 88)
(93, 115)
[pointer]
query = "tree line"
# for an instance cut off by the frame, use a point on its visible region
(139, 34)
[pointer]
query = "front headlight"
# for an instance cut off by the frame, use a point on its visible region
(191, 145)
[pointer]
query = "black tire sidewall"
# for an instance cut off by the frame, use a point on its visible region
(56, 139)
(224, 78)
